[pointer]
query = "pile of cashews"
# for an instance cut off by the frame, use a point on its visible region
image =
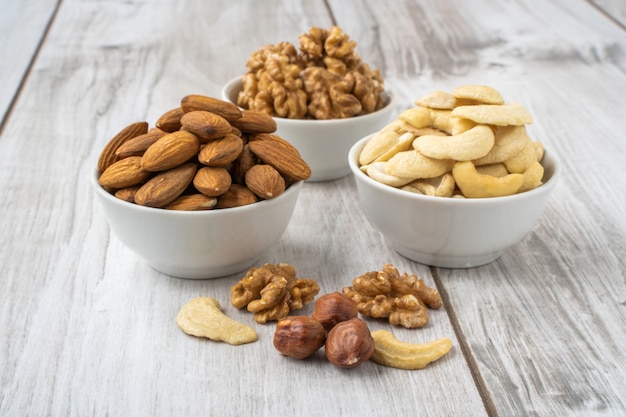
(464, 144)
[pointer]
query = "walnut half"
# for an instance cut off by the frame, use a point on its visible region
(272, 291)
(403, 299)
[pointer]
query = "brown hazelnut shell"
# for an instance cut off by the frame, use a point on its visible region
(349, 343)
(334, 308)
(299, 336)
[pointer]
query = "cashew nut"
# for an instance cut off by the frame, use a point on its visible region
(413, 164)
(495, 170)
(396, 354)
(378, 172)
(477, 94)
(493, 114)
(203, 317)
(442, 186)
(420, 117)
(475, 185)
(509, 141)
(532, 177)
(437, 100)
(521, 161)
(471, 144)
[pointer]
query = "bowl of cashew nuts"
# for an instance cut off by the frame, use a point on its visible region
(455, 181)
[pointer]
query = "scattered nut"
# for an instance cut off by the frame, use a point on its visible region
(396, 354)
(299, 336)
(349, 343)
(203, 317)
(334, 308)
(272, 291)
(403, 299)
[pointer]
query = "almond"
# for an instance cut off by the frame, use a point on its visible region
(236, 196)
(228, 111)
(275, 138)
(123, 173)
(212, 181)
(166, 186)
(127, 194)
(264, 181)
(170, 150)
(222, 151)
(282, 158)
(205, 125)
(192, 202)
(108, 156)
(138, 145)
(255, 122)
(242, 164)
(170, 120)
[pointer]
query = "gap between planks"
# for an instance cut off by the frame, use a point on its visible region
(29, 68)
(484, 393)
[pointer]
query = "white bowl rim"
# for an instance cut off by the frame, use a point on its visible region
(293, 188)
(392, 97)
(543, 188)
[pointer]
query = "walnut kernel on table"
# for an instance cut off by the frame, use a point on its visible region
(272, 291)
(402, 298)
(325, 79)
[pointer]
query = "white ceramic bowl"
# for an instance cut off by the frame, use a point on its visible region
(451, 232)
(323, 144)
(200, 244)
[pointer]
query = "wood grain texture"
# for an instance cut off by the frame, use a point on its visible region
(23, 25)
(87, 328)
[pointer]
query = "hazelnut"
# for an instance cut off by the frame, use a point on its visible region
(299, 336)
(334, 308)
(349, 343)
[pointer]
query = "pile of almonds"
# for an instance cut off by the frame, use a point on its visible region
(207, 153)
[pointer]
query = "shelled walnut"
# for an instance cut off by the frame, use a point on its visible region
(402, 298)
(272, 291)
(325, 79)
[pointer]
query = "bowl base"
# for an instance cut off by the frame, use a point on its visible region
(328, 176)
(446, 261)
(202, 272)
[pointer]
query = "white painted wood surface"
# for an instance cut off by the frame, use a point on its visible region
(88, 329)
(23, 25)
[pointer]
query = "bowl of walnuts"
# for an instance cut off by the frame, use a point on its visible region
(322, 96)
(456, 180)
(204, 192)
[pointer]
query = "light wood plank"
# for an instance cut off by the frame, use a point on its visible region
(615, 9)
(23, 24)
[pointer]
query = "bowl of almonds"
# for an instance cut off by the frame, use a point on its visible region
(322, 96)
(456, 180)
(204, 192)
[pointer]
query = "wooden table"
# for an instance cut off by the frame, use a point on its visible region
(88, 329)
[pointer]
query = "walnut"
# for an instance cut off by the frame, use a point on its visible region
(326, 79)
(403, 299)
(272, 291)
(272, 84)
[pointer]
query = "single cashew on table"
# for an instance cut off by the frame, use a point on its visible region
(325, 79)
(272, 291)
(203, 317)
(391, 352)
(402, 298)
